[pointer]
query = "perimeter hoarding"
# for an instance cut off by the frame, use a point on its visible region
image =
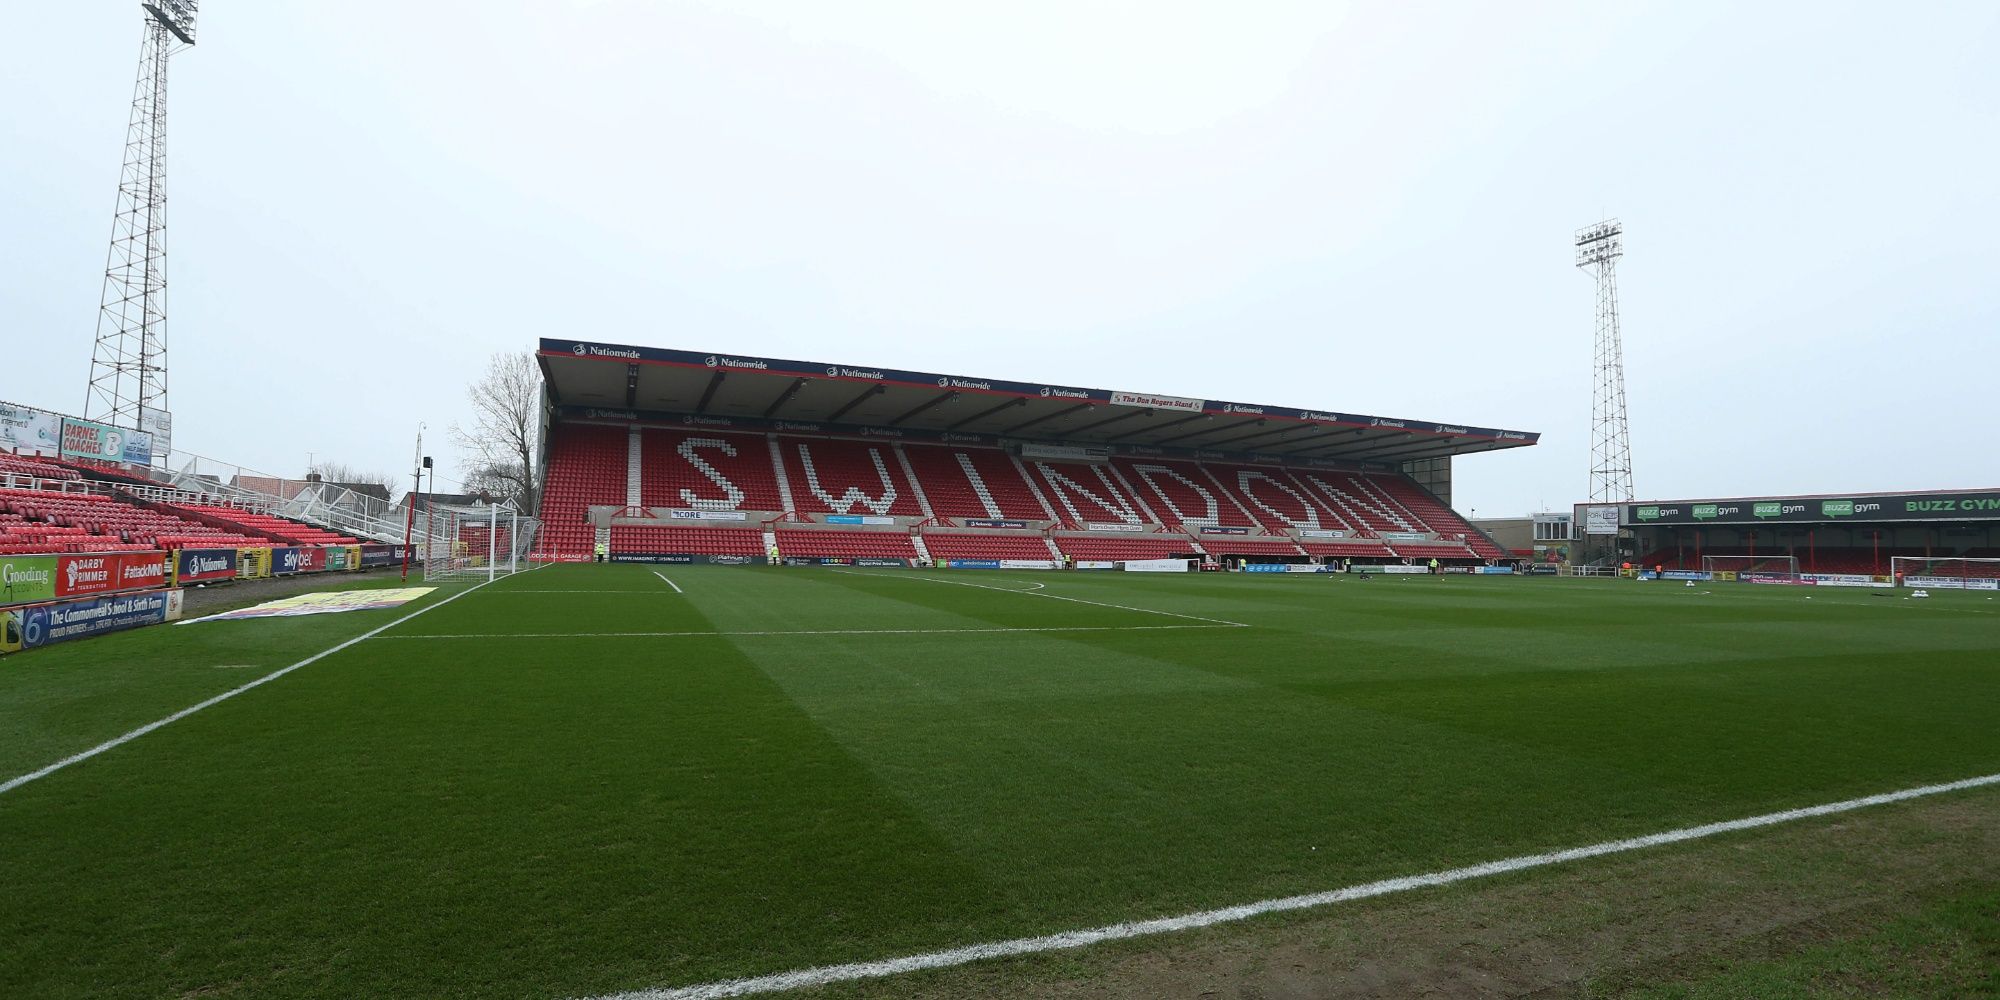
(27, 579)
(201, 565)
(1963, 505)
(104, 573)
(44, 624)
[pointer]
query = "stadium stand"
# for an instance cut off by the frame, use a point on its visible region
(834, 476)
(1182, 494)
(46, 521)
(949, 545)
(973, 483)
(1132, 547)
(704, 470)
(586, 467)
(823, 543)
(699, 541)
(1089, 494)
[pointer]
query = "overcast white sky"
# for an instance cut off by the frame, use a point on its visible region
(1364, 208)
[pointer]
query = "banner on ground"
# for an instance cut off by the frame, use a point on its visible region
(107, 572)
(44, 624)
(32, 431)
(332, 602)
(200, 565)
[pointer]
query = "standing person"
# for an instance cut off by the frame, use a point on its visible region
(774, 553)
(1434, 566)
(603, 552)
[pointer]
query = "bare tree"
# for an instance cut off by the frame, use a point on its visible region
(500, 445)
(348, 475)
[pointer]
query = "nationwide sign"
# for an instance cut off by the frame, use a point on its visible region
(627, 354)
(1966, 505)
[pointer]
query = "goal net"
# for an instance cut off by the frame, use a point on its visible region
(474, 543)
(1777, 565)
(1946, 574)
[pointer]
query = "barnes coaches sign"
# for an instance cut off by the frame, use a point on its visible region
(1970, 505)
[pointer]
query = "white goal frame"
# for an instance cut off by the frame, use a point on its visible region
(469, 543)
(1945, 573)
(1709, 564)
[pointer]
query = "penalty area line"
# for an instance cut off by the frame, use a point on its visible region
(670, 583)
(827, 974)
(116, 742)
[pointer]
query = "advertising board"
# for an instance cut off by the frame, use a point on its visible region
(1155, 565)
(108, 572)
(45, 624)
(27, 579)
(32, 431)
(1951, 582)
(199, 565)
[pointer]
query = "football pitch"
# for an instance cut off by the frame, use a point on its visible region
(587, 780)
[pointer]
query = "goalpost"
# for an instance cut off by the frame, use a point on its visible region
(1945, 574)
(1780, 565)
(482, 542)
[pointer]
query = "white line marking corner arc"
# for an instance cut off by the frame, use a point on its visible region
(670, 583)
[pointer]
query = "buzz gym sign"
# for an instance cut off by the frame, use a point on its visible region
(1971, 505)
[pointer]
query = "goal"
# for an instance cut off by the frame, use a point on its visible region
(1946, 574)
(481, 542)
(1776, 565)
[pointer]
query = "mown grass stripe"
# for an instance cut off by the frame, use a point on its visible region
(825, 975)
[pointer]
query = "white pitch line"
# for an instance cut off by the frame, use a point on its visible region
(823, 631)
(496, 593)
(117, 742)
(670, 583)
(823, 975)
(1057, 597)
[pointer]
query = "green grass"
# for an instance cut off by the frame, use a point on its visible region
(544, 811)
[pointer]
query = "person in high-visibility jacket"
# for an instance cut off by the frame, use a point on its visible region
(603, 552)
(774, 555)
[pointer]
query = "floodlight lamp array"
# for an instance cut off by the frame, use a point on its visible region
(176, 16)
(1598, 243)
